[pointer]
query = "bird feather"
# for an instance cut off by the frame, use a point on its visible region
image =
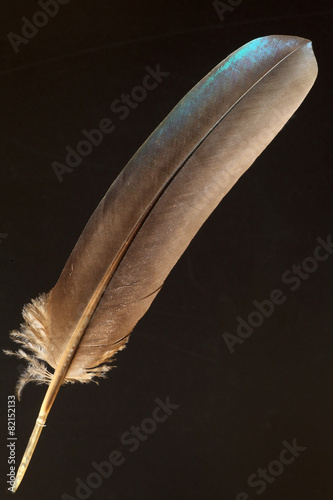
(152, 211)
(158, 203)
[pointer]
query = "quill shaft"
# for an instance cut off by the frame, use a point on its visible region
(28, 452)
(46, 406)
(53, 389)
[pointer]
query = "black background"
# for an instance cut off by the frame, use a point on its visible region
(235, 409)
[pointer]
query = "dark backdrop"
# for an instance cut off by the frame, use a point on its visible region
(238, 411)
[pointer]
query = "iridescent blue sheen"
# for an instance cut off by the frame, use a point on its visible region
(254, 57)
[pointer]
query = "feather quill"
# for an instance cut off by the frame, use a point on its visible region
(154, 208)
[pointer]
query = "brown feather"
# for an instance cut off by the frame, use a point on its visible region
(159, 202)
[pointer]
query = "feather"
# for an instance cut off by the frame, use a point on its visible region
(154, 208)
